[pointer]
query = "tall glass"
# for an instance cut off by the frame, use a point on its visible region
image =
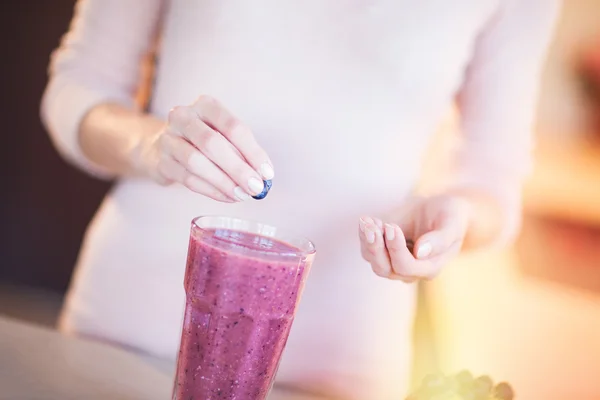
(243, 283)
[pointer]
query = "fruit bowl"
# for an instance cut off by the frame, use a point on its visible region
(462, 386)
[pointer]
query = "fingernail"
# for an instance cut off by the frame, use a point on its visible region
(362, 224)
(256, 185)
(370, 235)
(241, 194)
(378, 223)
(266, 171)
(390, 232)
(424, 250)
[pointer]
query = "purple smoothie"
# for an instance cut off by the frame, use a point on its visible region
(242, 293)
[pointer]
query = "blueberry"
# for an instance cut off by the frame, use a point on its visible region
(265, 191)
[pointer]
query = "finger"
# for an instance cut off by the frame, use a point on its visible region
(439, 241)
(216, 148)
(397, 251)
(433, 265)
(213, 113)
(202, 187)
(170, 169)
(390, 237)
(378, 223)
(368, 228)
(361, 225)
(405, 217)
(197, 164)
(402, 261)
(373, 247)
(175, 172)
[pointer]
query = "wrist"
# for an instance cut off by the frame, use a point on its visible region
(117, 139)
(483, 215)
(143, 152)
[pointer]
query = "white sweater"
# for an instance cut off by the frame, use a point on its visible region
(344, 96)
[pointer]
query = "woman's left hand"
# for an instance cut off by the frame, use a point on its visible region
(437, 225)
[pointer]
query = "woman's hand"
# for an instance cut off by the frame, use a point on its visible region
(207, 149)
(437, 225)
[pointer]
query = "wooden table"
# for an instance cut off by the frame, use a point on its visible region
(41, 364)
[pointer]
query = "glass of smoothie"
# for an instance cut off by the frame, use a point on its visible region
(243, 283)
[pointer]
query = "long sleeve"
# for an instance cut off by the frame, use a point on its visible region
(98, 61)
(498, 101)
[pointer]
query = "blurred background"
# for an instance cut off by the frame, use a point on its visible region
(45, 204)
(529, 314)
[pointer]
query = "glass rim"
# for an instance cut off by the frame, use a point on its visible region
(305, 246)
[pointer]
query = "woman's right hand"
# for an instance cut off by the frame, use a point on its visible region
(207, 149)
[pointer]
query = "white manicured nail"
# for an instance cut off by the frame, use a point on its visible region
(370, 235)
(390, 233)
(266, 170)
(241, 194)
(256, 186)
(362, 224)
(424, 250)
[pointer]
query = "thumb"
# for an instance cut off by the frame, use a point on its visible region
(439, 241)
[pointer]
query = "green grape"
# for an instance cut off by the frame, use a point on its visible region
(461, 386)
(484, 381)
(464, 378)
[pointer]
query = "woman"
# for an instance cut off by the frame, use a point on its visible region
(339, 99)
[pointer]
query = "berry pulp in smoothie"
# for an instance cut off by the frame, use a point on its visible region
(242, 292)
